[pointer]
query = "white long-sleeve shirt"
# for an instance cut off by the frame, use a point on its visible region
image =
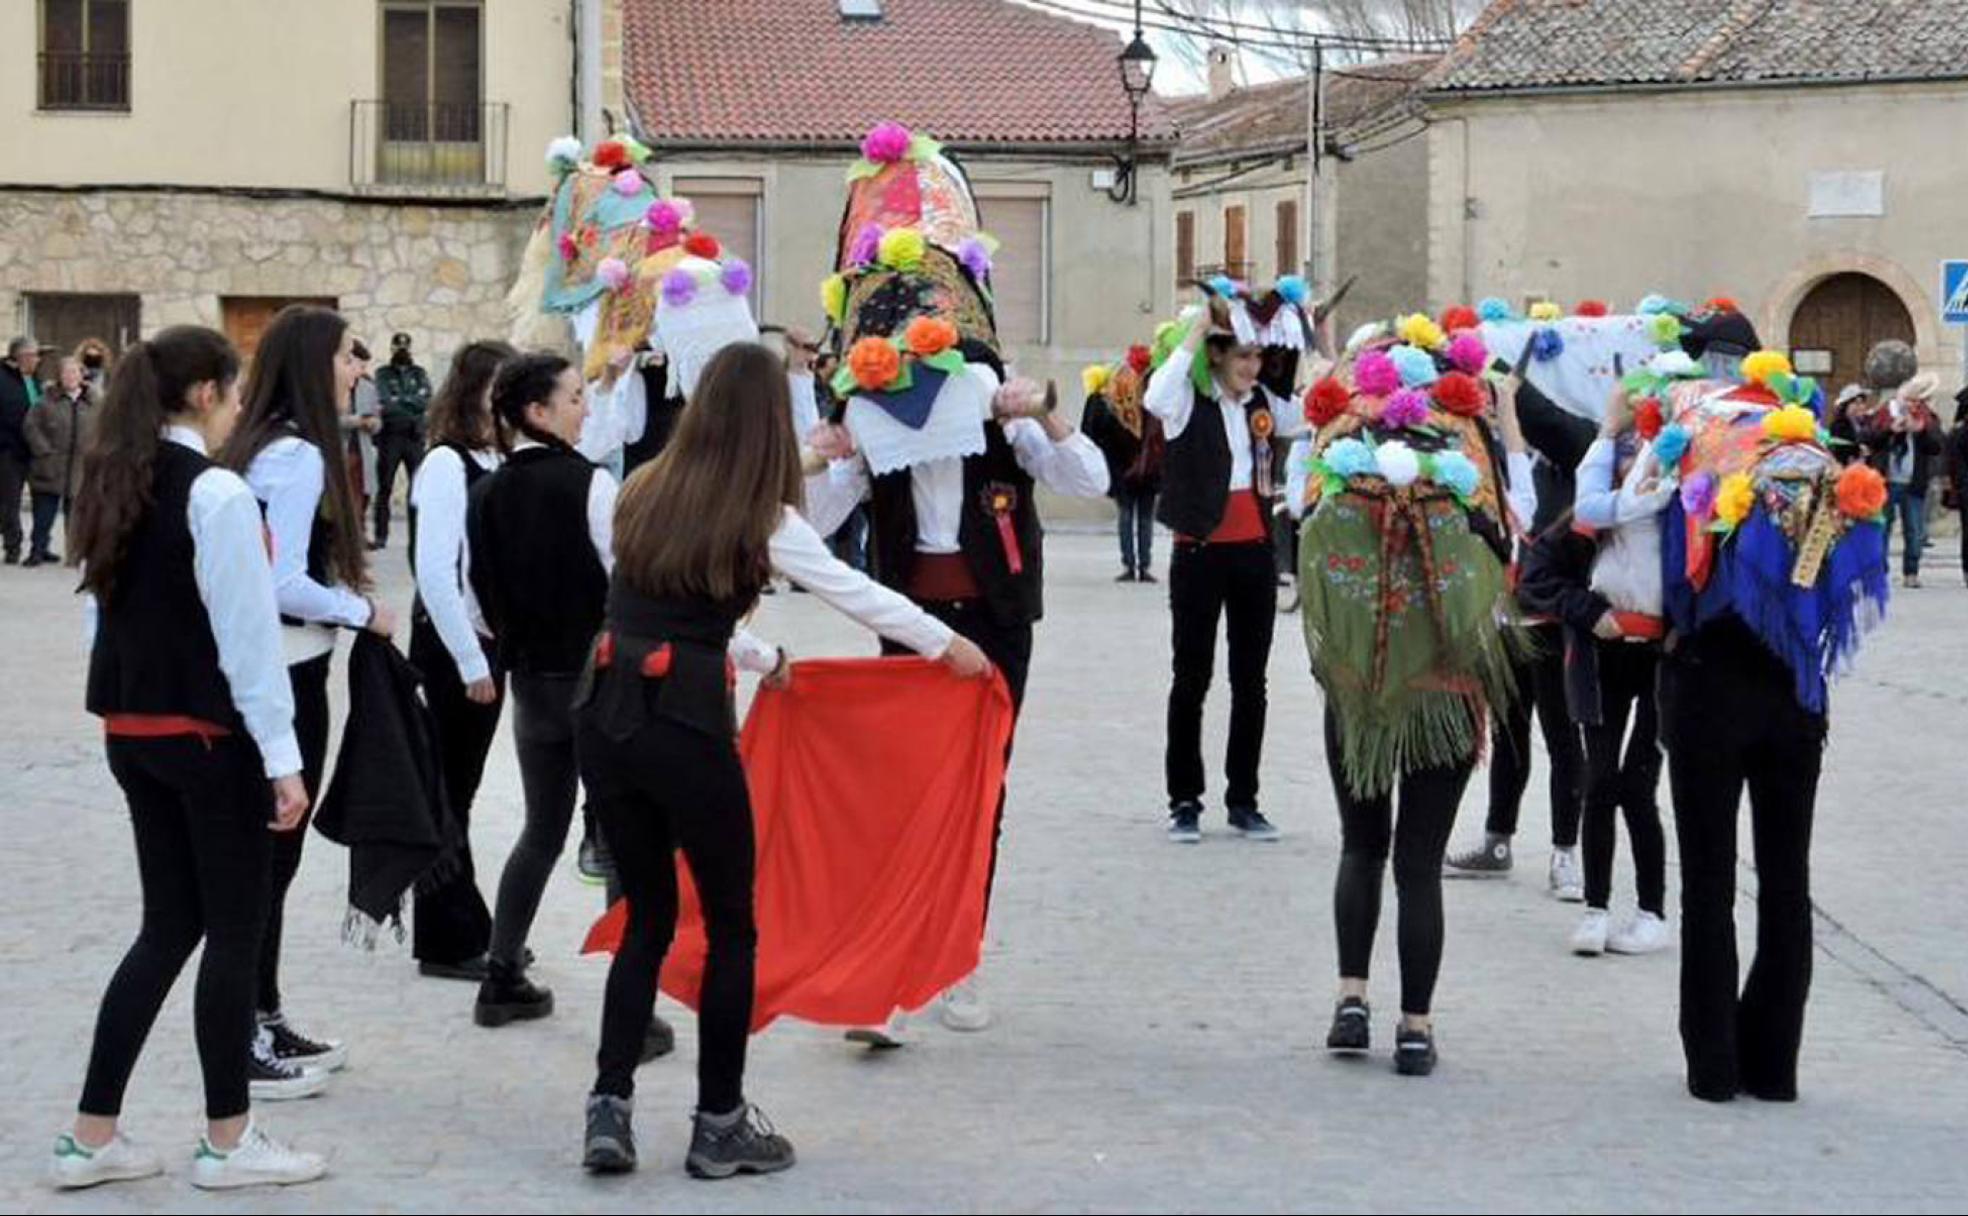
(806, 403)
(1627, 568)
(1073, 466)
(1171, 397)
(438, 494)
(288, 478)
(799, 553)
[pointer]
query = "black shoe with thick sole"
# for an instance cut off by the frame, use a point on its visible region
(473, 969)
(508, 996)
(609, 1145)
(1414, 1052)
(1351, 1032)
(1126, 576)
(1185, 824)
(747, 1144)
(660, 1041)
(1146, 577)
(1250, 823)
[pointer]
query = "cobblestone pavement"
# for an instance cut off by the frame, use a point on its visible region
(1161, 1010)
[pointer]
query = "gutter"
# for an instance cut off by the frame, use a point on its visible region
(1654, 87)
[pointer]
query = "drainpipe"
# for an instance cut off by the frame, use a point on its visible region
(587, 70)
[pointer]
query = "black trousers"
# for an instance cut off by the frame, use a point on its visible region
(13, 479)
(1136, 526)
(1238, 584)
(1418, 838)
(396, 445)
(1731, 719)
(47, 506)
(452, 923)
(1009, 647)
(543, 736)
(1541, 686)
(1622, 775)
(666, 788)
(199, 812)
(309, 681)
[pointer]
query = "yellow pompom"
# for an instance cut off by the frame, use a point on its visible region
(1420, 329)
(902, 248)
(833, 297)
(1733, 501)
(1791, 424)
(1545, 310)
(1759, 367)
(1094, 378)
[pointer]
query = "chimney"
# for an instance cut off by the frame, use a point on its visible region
(1222, 72)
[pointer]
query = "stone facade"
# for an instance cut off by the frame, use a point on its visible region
(439, 273)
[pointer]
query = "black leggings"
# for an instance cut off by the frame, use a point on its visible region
(543, 735)
(671, 787)
(452, 923)
(1239, 584)
(1613, 784)
(1540, 686)
(199, 813)
(1418, 840)
(310, 684)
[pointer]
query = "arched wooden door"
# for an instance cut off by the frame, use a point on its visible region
(1838, 321)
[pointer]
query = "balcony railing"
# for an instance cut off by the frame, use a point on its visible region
(427, 145)
(75, 80)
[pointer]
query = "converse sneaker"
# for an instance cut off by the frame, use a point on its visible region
(1186, 822)
(272, 1079)
(291, 1045)
(1250, 823)
(1491, 860)
(1414, 1051)
(75, 1165)
(742, 1142)
(1644, 934)
(1589, 938)
(508, 996)
(609, 1146)
(963, 1007)
(1566, 881)
(888, 1036)
(1350, 1033)
(257, 1160)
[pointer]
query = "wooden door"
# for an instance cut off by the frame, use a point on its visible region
(1839, 321)
(1185, 248)
(1236, 255)
(63, 319)
(246, 317)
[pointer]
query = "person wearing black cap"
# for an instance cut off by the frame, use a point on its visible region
(405, 391)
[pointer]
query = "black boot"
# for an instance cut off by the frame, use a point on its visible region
(508, 996)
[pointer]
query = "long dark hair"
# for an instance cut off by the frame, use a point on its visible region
(148, 386)
(291, 391)
(525, 380)
(459, 413)
(730, 470)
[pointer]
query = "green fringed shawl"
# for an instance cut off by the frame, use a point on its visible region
(1399, 602)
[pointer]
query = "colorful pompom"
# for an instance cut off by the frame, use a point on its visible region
(1350, 457)
(613, 273)
(1456, 472)
(902, 249)
(1399, 463)
(1223, 285)
(1654, 305)
(1409, 407)
(1325, 401)
(1547, 311)
(563, 154)
(1719, 304)
(1094, 378)
(1376, 375)
(1698, 496)
(1546, 345)
(1468, 354)
(1734, 499)
(875, 363)
(1861, 492)
(928, 336)
(1592, 308)
(1496, 308)
(1671, 445)
(1140, 358)
(611, 154)
(1294, 289)
(703, 245)
(1459, 318)
(1791, 424)
(888, 143)
(833, 297)
(976, 258)
(867, 245)
(1759, 367)
(1664, 328)
(1420, 330)
(1647, 419)
(1462, 394)
(664, 217)
(737, 276)
(628, 183)
(679, 288)
(1417, 367)
(569, 248)
(1677, 363)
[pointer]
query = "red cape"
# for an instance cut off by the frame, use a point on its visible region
(874, 788)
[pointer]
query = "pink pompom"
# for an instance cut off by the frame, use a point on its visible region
(679, 288)
(628, 183)
(737, 277)
(1469, 354)
(888, 143)
(867, 245)
(613, 273)
(664, 217)
(1375, 374)
(1405, 408)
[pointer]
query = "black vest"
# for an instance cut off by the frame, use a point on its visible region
(533, 564)
(154, 651)
(1196, 469)
(695, 689)
(1014, 599)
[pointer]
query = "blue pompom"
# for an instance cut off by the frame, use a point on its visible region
(1223, 285)
(1671, 444)
(1495, 308)
(1294, 289)
(1417, 366)
(1546, 345)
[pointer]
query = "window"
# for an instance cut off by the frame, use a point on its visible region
(1019, 214)
(1235, 253)
(1288, 237)
(1185, 247)
(247, 317)
(429, 127)
(64, 320)
(728, 208)
(85, 54)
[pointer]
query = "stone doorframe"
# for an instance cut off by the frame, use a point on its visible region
(1784, 298)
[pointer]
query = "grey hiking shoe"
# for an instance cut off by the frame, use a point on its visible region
(609, 1147)
(742, 1142)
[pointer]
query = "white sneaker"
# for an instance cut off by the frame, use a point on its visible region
(1644, 934)
(76, 1165)
(1590, 936)
(1566, 881)
(888, 1036)
(963, 1007)
(257, 1160)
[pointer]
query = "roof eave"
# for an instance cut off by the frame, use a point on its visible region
(1500, 92)
(1154, 148)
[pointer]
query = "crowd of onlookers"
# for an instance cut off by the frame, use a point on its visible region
(47, 402)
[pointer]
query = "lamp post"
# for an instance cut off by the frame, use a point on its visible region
(1137, 63)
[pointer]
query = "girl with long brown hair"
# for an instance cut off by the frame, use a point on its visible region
(288, 447)
(657, 732)
(186, 671)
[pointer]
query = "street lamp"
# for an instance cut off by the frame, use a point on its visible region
(1137, 64)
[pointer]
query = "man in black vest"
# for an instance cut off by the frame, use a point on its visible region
(1219, 416)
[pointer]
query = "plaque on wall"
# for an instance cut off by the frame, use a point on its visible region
(1811, 362)
(1836, 194)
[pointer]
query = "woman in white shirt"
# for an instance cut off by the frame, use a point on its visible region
(657, 739)
(288, 447)
(466, 690)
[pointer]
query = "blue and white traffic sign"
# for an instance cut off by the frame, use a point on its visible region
(1954, 292)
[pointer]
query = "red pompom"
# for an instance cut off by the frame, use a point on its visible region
(1721, 304)
(1326, 401)
(1460, 393)
(1459, 318)
(611, 154)
(1140, 358)
(1591, 308)
(703, 245)
(1647, 418)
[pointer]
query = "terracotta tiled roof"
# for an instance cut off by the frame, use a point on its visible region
(1272, 117)
(969, 72)
(1519, 44)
